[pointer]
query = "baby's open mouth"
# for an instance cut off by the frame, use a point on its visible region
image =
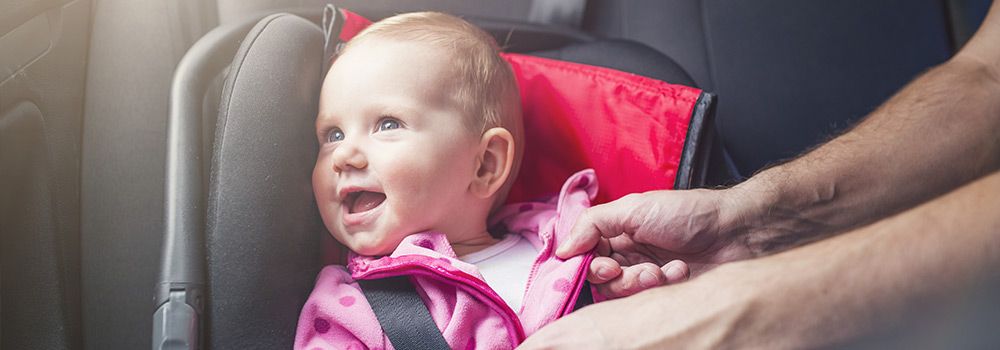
(362, 201)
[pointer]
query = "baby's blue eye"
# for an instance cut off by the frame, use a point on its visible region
(335, 135)
(388, 124)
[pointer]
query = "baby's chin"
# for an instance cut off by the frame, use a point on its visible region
(371, 251)
(368, 246)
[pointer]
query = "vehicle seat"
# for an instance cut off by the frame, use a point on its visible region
(248, 247)
(790, 74)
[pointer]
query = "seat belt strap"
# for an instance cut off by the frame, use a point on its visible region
(402, 314)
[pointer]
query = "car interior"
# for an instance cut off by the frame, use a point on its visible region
(137, 168)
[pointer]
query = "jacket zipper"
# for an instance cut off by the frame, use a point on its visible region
(578, 285)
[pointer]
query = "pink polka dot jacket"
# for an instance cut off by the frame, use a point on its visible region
(465, 309)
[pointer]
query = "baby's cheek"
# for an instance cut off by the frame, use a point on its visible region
(334, 227)
(411, 180)
(329, 209)
(322, 175)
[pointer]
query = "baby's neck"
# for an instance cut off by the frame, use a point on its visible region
(471, 244)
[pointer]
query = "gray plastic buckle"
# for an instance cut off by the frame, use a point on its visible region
(175, 324)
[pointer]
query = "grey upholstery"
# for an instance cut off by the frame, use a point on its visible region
(233, 10)
(791, 80)
(965, 17)
(640, 59)
(43, 48)
(82, 110)
(673, 27)
(37, 313)
(788, 73)
(264, 230)
(135, 47)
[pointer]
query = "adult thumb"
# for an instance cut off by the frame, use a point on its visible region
(605, 220)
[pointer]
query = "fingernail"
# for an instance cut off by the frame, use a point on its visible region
(604, 272)
(673, 272)
(647, 279)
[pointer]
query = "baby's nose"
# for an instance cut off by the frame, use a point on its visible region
(348, 156)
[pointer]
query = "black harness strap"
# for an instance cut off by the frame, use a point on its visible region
(402, 314)
(404, 317)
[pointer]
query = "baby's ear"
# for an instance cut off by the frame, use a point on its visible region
(494, 163)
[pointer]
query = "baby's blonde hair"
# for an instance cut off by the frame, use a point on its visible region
(487, 88)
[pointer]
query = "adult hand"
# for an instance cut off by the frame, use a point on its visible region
(688, 315)
(655, 238)
(859, 286)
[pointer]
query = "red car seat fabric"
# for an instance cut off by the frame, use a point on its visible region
(632, 130)
(353, 23)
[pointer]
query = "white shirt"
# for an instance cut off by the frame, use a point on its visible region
(505, 266)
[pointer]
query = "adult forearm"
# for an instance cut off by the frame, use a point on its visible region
(868, 280)
(938, 133)
(827, 293)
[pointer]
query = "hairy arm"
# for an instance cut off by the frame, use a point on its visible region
(861, 283)
(871, 279)
(939, 132)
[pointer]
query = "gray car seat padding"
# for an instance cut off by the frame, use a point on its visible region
(788, 73)
(263, 228)
(640, 59)
(134, 48)
(15, 13)
(32, 265)
(43, 46)
(673, 27)
(516, 10)
(965, 17)
(179, 296)
(567, 13)
(793, 73)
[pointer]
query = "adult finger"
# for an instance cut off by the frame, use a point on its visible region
(603, 247)
(605, 220)
(676, 271)
(603, 269)
(633, 279)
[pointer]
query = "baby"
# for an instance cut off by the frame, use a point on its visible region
(421, 138)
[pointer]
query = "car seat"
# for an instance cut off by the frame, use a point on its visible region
(244, 241)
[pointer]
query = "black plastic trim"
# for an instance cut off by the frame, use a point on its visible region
(691, 170)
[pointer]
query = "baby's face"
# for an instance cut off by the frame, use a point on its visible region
(395, 155)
